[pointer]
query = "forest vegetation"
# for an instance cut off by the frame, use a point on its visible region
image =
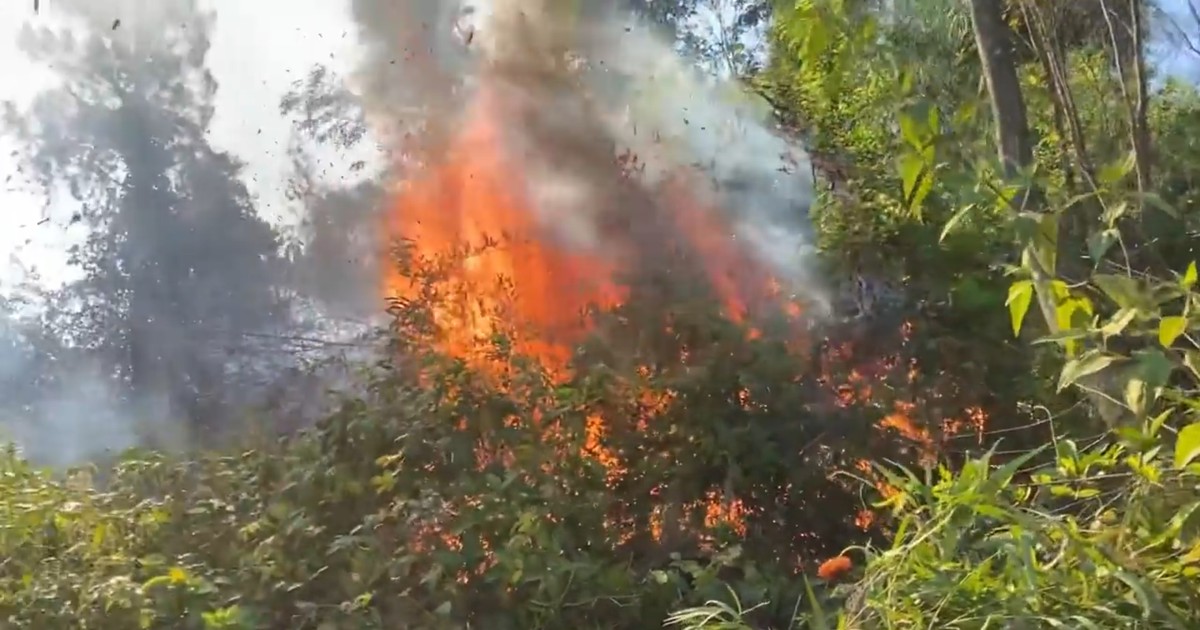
(1002, 431)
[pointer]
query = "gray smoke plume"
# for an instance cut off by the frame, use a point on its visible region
(575, 88)
(185, 313)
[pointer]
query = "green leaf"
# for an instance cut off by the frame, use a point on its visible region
(1020, 296)
(1114, 213)
(1157, 423)
(1187, 445)
(1158, 202)
(1112, 173)
(1062, 336)
(1002, 476)
(1189, 277)
(1191, 359)
(1118, 322)
(1135, 396)
(817, 38)
(1069, 313)
(817, 621)
(1154, 367)
(916, 180)
(910, 130)
(1170, 328)
(1076, 369)
(1037, 232)
(958, 217)
(1126, 292)
(1099, 243)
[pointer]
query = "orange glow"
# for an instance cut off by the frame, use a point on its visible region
(473, 204)
(506, 274)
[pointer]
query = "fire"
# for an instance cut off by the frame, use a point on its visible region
(472, 205)
(508, 273)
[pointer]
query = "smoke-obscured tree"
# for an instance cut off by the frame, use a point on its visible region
(177, 265)
(337, 253)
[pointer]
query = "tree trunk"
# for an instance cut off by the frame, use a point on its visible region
(1000, 73)
(1127, 35)
(992, 38)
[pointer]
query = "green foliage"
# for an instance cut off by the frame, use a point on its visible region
(1101, 530)
(448, 495)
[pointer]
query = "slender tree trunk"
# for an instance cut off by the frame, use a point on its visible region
(1126, 33)
(1000, 74)
(1073, 224)
(993, 39)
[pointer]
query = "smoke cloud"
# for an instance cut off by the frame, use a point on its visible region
(186, 311)
(575, 88)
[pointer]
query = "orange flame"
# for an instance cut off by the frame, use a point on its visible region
(473, 203)
(472, 209)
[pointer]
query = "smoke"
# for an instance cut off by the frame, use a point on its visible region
(187, 293)
(185, 312)
(575, 88)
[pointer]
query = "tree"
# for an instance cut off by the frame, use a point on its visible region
(178, 267)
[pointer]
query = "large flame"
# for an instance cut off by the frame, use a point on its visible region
(471, 208)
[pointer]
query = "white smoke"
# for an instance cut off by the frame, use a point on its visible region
(689, 119)
(576, 89)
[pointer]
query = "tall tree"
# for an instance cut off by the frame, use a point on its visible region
(177, 265)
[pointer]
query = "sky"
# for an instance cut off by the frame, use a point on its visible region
(260, 47)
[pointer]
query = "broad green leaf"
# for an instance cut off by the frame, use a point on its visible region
(933, 120)
(1126, 292)
(910, 130)
(1061, 291)
(1170, 328)
(1076, 369)
(1072, 314)
(1154, 367)
(1020, 296)
(1187, 445)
